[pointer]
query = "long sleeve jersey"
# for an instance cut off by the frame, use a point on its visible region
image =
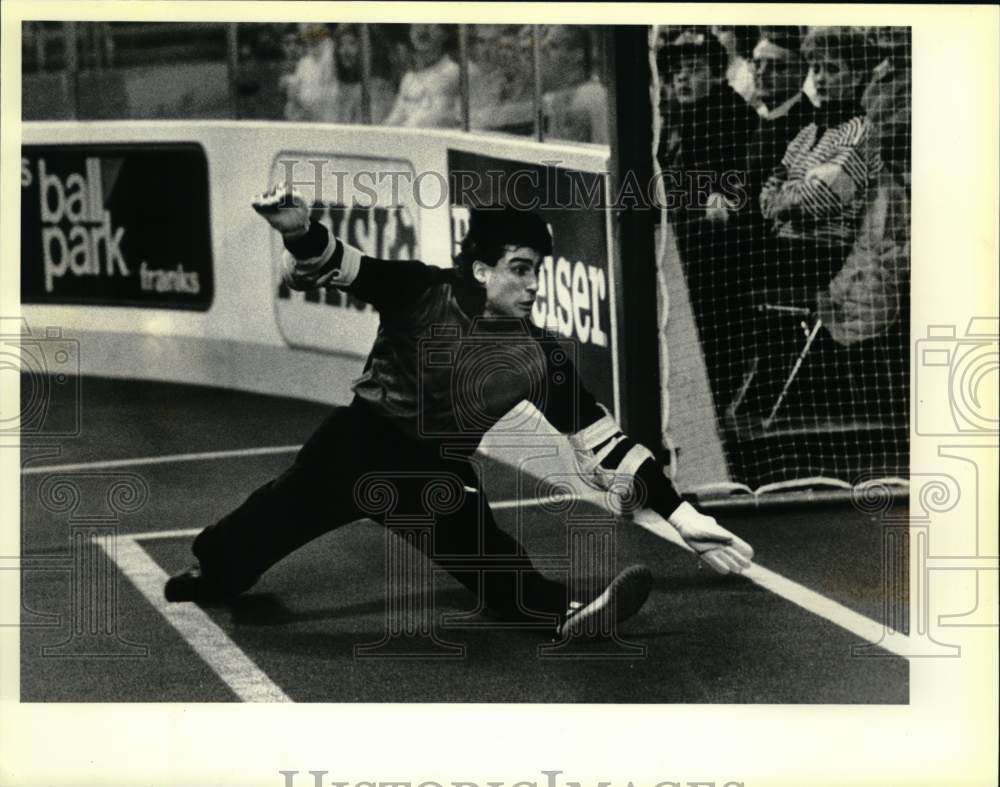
(439, 370)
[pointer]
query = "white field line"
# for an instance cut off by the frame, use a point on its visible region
(587, 497)
(189, 532)
(155, 460)
(210, 642)
(867, 629)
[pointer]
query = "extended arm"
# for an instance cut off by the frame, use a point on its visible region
(609, 460)
(315, 258)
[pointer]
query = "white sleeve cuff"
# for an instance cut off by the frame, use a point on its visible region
(684, 515)
(596, 433)
(633, 460)
(349, 265)
(323, 271)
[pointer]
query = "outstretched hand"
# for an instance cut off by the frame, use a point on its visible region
(716, 546)
(285, 209)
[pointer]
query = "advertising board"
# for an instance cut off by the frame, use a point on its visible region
(116, 225)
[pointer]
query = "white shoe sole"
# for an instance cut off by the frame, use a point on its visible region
(621, 599)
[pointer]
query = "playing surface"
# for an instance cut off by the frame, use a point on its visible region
(95, 628)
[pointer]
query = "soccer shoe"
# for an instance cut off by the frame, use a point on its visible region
(620, 600)
(191, 585)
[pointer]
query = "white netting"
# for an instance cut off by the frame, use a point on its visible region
(784, 155)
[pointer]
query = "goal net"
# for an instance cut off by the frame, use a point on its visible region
(783, 166)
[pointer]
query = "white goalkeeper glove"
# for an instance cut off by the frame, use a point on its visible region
(715, 545)
(285, 209)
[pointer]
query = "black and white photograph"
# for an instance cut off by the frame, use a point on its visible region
(616, 365)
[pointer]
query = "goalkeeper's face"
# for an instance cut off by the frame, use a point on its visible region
(512, 284)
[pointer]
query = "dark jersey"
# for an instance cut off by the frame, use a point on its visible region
(437, 368)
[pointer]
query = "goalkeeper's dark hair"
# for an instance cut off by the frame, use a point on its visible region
(494, 227)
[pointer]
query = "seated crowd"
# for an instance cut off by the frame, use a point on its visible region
(415, 78)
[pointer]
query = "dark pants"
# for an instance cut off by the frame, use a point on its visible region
(359, 465)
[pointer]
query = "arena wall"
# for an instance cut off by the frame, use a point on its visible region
(235, 327)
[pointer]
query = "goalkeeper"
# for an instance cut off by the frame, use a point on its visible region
(410, 421)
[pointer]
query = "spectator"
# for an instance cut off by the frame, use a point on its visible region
(292, 46)
(309, 89)
(815, 202)
(347, 103)
(887, 98)
(486, 75)
(429, 93)
(814, 199)
(739, 41)
(706, 129)
(575, 103)
(779, 74)
(397, 50)
(500, 80)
